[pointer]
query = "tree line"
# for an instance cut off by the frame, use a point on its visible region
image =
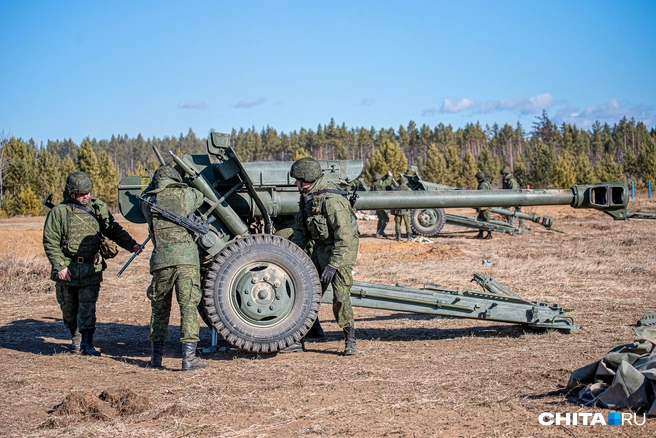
(547, 156)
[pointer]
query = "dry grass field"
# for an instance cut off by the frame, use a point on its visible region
(414, 375)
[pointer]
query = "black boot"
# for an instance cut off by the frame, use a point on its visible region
(86, 346)
(398, 236)
(480, 235)
(316, 332)
(349, 341)
(489, 235)
(410, 237)
(156, 355)
(296, 347)
(189, 360)
(76, 340)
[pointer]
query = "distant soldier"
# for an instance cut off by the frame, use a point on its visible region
(174, 264)
(327, 221)
(510, 183)
(71, 239)
(402, 215)
(381, 184)
(483, 212)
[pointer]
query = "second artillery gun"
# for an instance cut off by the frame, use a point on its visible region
(261, 292)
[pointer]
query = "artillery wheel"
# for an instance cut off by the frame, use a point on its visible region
(427, 222)
(261, 293)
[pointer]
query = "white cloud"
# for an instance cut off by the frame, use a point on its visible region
(250, 102)
(610, 112)
(453, 106)
(193, 105)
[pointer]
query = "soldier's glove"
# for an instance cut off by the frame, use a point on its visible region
(328, 274)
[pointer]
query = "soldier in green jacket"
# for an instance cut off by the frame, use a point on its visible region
(381, 184)
(509, 182)
(71, 240)
(483, 212)
(402, 215)
(174, 264)
(327, 221)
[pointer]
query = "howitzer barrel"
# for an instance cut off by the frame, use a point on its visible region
(611, 198)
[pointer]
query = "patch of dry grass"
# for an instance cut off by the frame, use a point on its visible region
(24, 274)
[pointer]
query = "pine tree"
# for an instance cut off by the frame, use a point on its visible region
(88, 163)
(106, 184)
(565, 170)
(488, 165)
(544, 163)
(387, 157)
(607, 170)
(469, 171)
(29, 203)
(434, 168)
(584, 171)
(454, 168)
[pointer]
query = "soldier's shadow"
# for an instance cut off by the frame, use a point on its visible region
(122, 342)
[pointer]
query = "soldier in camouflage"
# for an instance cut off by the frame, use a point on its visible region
(509, 182)
(483, 212)
(402, 215)
(71, 240)
(327, 221)
(174, 264)
(381, 184)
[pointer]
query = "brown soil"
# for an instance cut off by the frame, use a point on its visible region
(414, 375)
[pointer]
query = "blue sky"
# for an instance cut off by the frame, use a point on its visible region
(72, 69)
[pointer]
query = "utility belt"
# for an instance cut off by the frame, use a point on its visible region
(88, 259)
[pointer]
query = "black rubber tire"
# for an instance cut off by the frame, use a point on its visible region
(428, 230)
(243, 303)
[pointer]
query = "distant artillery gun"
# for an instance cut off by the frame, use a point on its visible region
(429, 222)
(261, 292)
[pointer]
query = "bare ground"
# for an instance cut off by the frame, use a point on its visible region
(414, 375)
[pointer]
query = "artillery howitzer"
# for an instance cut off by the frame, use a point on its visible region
(429, 222)
(261, 292)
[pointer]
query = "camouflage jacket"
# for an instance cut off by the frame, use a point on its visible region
(71, 239)
(510, 182)
(327, 221)
(383, 184)
(404, 211)
(484, 185)
(173, 244)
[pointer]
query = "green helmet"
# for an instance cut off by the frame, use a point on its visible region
(306, 169)
(505, 171)
(480, 176)
(378, 177)
(165, 171)
(78, 183)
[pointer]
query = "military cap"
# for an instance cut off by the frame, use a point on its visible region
(306, 169)
(505, 171)
(165, 171)
(78, 183)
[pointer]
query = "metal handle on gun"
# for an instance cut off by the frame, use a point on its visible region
(136, 253)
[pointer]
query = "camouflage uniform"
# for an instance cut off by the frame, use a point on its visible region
(381, 184)
(483, 212)
(174, 262)
(510, 183)
(327, 221)
(402, 215)
(71, 239)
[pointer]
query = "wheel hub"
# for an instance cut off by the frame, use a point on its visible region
(427, 218)
(263, 293)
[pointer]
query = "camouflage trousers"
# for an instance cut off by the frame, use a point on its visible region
(383, 219)
(342, 310)
(483, 215)
(185, 279)
(405, 217)
(78, 305)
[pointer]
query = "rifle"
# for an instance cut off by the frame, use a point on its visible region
(136, 253)
(190, 223)
(48, 201)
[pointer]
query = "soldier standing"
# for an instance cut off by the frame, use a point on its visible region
(483, 212)
(71, 240)
(402, 215)
(381, 184)
(174, 264)
(326, 220)
(510, 183)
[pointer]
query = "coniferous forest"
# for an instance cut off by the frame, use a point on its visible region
(545, 155)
